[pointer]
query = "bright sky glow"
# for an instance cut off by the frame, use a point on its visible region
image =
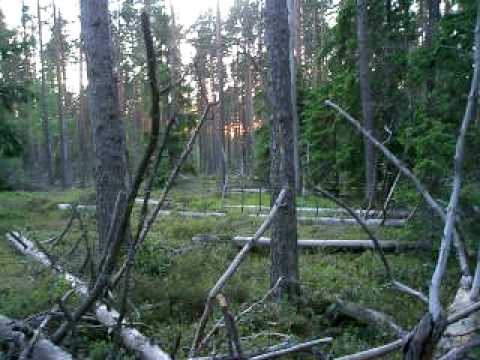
(186, 12)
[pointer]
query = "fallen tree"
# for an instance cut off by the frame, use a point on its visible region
(310, 220)
(367, 316)
(23, 342)
(325, 210)
(347, 245)
(132, 339)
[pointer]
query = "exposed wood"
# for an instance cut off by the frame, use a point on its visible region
(459, 353)
(14, 333)
(302, 347)
(435, 307)
(376, 353)
(132, 339)
(351, 245)
(332, 211)
(293, 349)
(344, 221)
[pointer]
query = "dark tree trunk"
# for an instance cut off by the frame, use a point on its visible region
(82, 126)
(109, 133)
(47, 145)
(283, 251)
(431, 28)
(64, 173)
(366, 97)
(221, 98)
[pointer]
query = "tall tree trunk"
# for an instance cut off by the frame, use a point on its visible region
(221, 98)
(294, 59)
(431, 28)
(283, 251)
(366, 96)
(64, 173)
(109, 133)
(27, 79)
(82, 125)
(47, 145)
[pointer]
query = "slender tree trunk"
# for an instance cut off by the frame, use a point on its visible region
(221, 99)
(283, 251)
(82, 125)
(431, 28)
(47, 145)
(64, 176)
(366, 96)
(109, 133)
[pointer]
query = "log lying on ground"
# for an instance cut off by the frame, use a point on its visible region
(347, 245)
(367, 316)
(132, 339)
(14, 333)
(186, 213)
(343, 221)
(322, 210)
(79, 207)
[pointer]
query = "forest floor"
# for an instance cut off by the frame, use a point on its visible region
(172, 275)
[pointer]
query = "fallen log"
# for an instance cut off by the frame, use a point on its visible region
(343, 221)
(185, 213)
(367, 316)
(323, 210)
(132, 339)
(347, 245)
(15, 335)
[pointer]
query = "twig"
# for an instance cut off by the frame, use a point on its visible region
(233, 340)
(219, 323)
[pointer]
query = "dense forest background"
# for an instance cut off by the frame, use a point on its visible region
(419, 61)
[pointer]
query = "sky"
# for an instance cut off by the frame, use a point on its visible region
(186, 12)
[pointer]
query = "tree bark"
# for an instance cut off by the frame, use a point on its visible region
(12, 331)
(109, 133)
(47, 145)
(64, 173)
(283, 251)
(366, 98)
(294, 59)
(221, 98)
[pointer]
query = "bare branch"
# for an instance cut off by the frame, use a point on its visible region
(449, 220)
(377, 352)
(232, 268)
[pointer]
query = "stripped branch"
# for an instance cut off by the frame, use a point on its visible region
(231, 270)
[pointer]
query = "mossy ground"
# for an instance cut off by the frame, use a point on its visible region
(172, 275)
